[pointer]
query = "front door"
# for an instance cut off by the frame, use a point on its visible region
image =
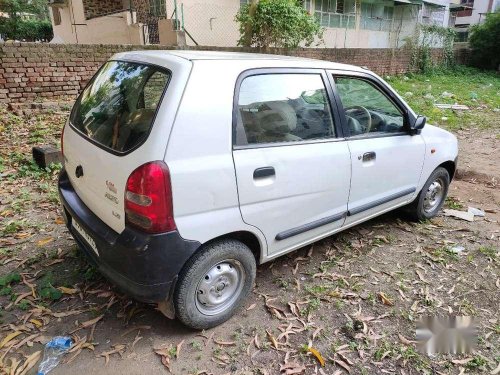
(293, 173)
(386, 160)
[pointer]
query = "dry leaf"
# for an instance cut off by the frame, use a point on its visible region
(385, 300)
(224, 343)
(59, 220)
(45, 241)
(251, 307)
(318, 356)
(404, 340)
(8, 338)
(272, 339)
(291, 368)
(36, 322)
(117, 349)
(178, 349)
(165, 357)
(65, 290)
(461, 361)
(29, 363)
(496, 371)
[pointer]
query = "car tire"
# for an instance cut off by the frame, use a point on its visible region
(432, 196)
(214, 283)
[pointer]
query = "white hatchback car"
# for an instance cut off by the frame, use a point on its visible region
(183, 170)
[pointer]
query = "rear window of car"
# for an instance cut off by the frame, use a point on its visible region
(117, 109)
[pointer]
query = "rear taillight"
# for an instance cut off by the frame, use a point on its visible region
(148, 198)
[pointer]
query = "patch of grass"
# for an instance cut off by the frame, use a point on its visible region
(313, 305)
(10, 278)
(5, 291)
(46, 289)
(24, 305)
(385, 350)
(476, 363)
(489, 251)
(453, 203)
(472, 87)
(13, 226)
(196, 345)
(444, 253)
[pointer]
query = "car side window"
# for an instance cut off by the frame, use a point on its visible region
(367, 109)
(282, 108)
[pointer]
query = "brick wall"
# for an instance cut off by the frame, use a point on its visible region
(30, 71)
(96, 8)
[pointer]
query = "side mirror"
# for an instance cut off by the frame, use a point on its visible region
(418, 125)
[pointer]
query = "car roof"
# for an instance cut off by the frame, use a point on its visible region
(256, 59)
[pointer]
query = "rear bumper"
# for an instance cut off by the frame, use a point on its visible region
(144, 266)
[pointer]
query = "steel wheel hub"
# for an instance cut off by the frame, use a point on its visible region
(434, 195)
(220, 287)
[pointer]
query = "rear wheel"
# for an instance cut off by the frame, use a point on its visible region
(432, 196)
(214, 283)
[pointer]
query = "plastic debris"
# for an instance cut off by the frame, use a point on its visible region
(457, 249)
(452, 106)
(408, 94)
(429, 96)
(459, 214)
(53, 352)
(446, 94)
(476, 211)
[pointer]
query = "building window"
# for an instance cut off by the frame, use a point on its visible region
(336, 13)
(56, 15)
(376, 17)
(157, 8)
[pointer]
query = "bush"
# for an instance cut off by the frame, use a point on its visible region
(277, 23)
(484, 42)
(29, 30)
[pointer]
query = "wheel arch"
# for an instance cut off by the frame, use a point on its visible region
(450, 166)
(246, 237)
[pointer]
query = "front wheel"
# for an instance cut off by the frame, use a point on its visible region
(432, 196)
(214, 284)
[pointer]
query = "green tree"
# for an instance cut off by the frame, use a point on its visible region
(26, 20)
(484, 42)
(277, 23)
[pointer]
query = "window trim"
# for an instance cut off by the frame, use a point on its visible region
(153, 120)
(408, 117)
(338, 128)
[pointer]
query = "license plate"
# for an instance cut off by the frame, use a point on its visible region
(90, 241)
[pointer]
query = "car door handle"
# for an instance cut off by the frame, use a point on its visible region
(264, 172)
(369, 156)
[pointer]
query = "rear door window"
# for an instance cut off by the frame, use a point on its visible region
(283, 108)
(117, 109)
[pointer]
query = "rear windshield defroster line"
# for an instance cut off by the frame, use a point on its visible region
(116, 110)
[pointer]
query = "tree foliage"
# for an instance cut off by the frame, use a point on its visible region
(484, 41)
(427, 38)
(277, 23)
(27, 20)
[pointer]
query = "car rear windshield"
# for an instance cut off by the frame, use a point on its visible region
(116, 110)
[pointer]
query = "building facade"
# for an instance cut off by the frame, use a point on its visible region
(347, 23)
(466, 13)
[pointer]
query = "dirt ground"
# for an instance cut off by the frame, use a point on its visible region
(354, 297)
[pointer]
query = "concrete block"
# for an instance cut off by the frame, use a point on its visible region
(46, 155)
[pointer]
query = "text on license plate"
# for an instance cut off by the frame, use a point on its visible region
(90, 241)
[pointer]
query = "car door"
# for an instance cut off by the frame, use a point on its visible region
(292, 168)
(386, 158)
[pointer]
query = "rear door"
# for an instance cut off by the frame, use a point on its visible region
(386, 159)
(292, 165)
(112, 118)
